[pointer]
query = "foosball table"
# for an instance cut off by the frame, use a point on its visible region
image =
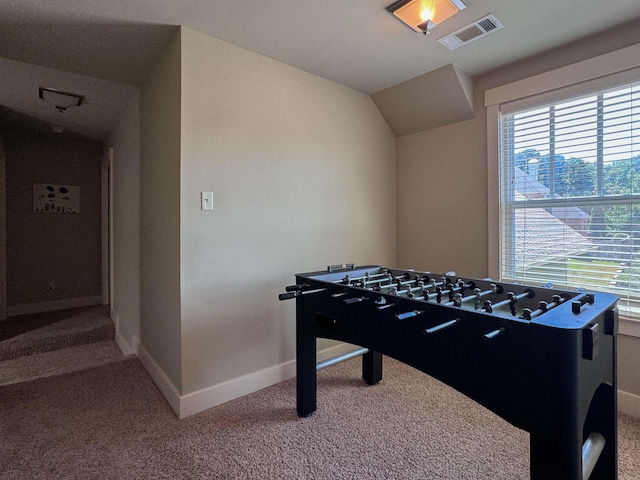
(541, 358)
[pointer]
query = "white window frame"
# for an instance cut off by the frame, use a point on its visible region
(602, 72)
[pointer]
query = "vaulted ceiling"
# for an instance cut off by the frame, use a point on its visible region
(105, 47)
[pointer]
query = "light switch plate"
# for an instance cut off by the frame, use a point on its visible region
(207, 201)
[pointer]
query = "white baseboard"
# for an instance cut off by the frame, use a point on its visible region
(629, 403)
(163, 382)
(127, 347)
(52, 305)
(195, 402)
(124, 346)
(209, 397)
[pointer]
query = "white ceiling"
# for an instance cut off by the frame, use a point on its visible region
(103, 104)
(353, 42)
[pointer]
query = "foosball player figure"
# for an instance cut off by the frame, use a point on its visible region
(461, 285)
(457, 299)
(487, 306)
(512, 302)
(476, 300)
(451, 287)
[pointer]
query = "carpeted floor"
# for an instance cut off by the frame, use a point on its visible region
(19, 324)
(53, 343)
(56, 362)
(111, 422)
(46, 332)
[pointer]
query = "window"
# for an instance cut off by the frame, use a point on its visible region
(570, 193)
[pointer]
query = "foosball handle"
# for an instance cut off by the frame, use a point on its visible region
(495, 333)
(298, 293)
(576, 305)
(351, 301)
(405, 316)
(442, 326)
(384, 307)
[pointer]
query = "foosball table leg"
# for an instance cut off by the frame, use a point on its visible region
(372, 367)
(306, 376)
(553, 458)
(602, 418)
(582, 452)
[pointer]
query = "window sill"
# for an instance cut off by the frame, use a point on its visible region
(629, 326)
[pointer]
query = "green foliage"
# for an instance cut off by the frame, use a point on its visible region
(622, 177)
(574, 177)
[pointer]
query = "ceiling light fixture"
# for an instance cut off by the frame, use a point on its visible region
(61, 100)
(423, 15)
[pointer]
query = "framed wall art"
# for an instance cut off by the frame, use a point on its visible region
(50, 198)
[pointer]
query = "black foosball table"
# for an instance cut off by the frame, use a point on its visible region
(541, 358)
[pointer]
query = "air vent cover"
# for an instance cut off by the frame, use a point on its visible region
(471, 32)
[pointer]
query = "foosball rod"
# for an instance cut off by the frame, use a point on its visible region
(341, 358)
(543, 307)
(424, 288)
(476, 296)
(366, 278)
(398, 284)
(347, 279)
(479, 295)
(430, 284)
(390, 278)
(393, 281)
(514, 298)
(426, 295)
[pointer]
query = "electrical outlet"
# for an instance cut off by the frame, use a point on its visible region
(207, 201)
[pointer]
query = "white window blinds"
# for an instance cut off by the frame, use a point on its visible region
(570, 194)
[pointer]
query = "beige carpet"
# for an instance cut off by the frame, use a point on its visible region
(112, 423)
(56, 362)
(19, 324)
(63, 329)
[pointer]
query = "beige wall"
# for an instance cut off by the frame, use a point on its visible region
(160, 324)
(442, 199)
(449, 166)
(629, 364)
(125, 172)
(60, 248)
(303, 175)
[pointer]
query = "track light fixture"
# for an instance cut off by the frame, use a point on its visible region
(423, 15)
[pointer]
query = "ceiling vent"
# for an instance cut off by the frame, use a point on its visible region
(471, 32)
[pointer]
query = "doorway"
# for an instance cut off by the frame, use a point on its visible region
(3, 235)
(69, 253)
